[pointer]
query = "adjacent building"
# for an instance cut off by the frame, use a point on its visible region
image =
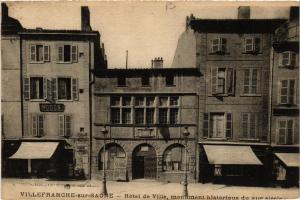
(144, 113)
(234, 57)
(55, 94)
(284, 107)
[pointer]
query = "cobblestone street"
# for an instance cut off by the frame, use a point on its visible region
(139, 189)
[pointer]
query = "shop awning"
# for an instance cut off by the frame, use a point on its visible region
(289, 159)
(231, 155)
(35, 150)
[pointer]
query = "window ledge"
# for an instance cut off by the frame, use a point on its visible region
(250, 139)
(121, 86)
(250, 95)
(64, 62)
(64, 100)
(175, 172)
(216, 139)
(37, 100)
(170, 85)
(36, 62)
(252, 53)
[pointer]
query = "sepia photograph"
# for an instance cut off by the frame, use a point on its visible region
(149, 100)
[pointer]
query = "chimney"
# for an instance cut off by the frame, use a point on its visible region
(85, 19)
(157, 62)
(244, 12)
(4, 11)
(294, 13)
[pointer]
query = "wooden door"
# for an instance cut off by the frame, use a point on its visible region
(150, 167)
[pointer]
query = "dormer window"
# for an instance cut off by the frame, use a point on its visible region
(288, 59)
(251, 45)
(218, 45)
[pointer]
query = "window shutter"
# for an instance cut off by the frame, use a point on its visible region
(75, 89)
(61, 128)
(49, 90)
(68, 125)
(26, 88)
(32, 53)
(40, 125)
(285, 58)
(284, 92)
(246, 87)
(46, 53)
(293, 59)
(60, 53)
(245, 125)
(74, 54)
(223, 44)
(45, 88)
(290, 132)
(214, 80)
(205, 125)
(258, 85)
(230, 81)
(291, 89)
(34, 125)
(257, 45)
(252, 128)
(54, 88)
(228, 125)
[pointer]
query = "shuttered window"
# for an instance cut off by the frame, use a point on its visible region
(287, 92)
(38, 125)
(75, 89)
(222, 81)
(288, 59)
(285, 131)
(39, 53)
(205, 124)
(218, 45)
(65, 125)
(228, 125)
(251, 45)
(251, 84)
(217, 125)
(67, 53)
(249, 125)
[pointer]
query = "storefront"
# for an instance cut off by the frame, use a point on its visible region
(229, 164)
(41, 159)
(286, 167)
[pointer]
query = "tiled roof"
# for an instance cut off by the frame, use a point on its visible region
(57, 31)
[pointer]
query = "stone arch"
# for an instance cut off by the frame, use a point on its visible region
(144, 161)
(174, 157)
(115, 153)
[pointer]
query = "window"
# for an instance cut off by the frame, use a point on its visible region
(251, 45)
(145, 80)
(64, 125)
(38, 125)
(288, 59)
(170, 81)
(251, 85)
(217, 125)
(65, 89)
(144, 113)
(174, 158)
(168, 110)
(121, 109)
(67, 53)
(285, 130)
(287, 92)
(222, 81)
(114, 154)
(218, 45)
(249, 125)
(121, 81)
(39, 53)
(36, 88)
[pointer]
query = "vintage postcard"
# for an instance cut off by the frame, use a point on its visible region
(162, 100)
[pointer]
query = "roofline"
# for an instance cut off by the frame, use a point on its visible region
(150, 69)
(59, 32)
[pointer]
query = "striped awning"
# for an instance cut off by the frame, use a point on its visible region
(231, 155)
(35, 150)
(289, 159)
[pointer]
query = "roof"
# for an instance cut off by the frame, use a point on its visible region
(139, 71)
(235, 25)
(57, 31)
(231, 155)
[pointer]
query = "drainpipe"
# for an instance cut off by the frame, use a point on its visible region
(21, 88)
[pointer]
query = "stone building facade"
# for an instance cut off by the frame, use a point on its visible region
(284, 107)
(234, 57)
(145, 112)
(55, 89)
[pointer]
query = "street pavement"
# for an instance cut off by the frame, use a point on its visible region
(19, 189)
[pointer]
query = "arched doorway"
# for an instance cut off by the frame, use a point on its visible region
(144, 162)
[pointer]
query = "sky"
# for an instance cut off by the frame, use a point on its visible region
(146, 29)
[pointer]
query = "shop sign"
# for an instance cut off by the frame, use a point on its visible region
(45, 107)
